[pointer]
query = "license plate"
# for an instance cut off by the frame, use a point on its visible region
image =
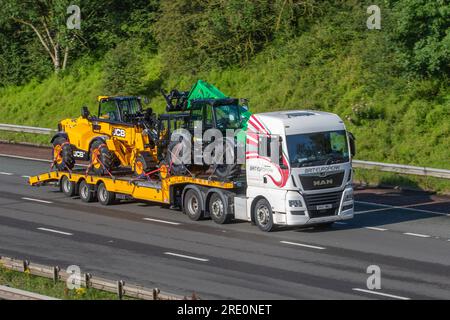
(324, 206)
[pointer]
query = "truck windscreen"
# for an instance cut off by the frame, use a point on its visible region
(318, 148)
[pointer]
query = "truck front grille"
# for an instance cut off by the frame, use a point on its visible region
(323, 204)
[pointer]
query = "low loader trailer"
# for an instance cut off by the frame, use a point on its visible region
(297, 172)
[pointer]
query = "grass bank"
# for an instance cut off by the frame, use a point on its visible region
(47, 287)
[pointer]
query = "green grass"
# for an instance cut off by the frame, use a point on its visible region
(44, 286)
(44, 104)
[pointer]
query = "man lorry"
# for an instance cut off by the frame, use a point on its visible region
(297, 172)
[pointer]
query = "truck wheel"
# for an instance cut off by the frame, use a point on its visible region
(263, 215)
(86, 192)
(218, 209)
(100, 154)
(63, 158)
(68, 187)
(105, 197)
(192, 205)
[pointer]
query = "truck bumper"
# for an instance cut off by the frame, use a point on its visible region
(299, 216)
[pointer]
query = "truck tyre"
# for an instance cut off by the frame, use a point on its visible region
(218, 208)
(63, 154)
(104, 160)
(192, 204)
(68, 187)
(105, 197)
(263, 215)
(86, 192)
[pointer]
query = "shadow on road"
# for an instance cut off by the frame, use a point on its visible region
(409, 206)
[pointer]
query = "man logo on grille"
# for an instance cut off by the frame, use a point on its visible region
(322, 182)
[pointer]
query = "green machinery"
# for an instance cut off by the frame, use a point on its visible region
(207, 105)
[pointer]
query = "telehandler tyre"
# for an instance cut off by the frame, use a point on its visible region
(63, 154)
(102, 160)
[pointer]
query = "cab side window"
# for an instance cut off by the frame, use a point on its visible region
(209, 117)
(108, 111)
(196, 115)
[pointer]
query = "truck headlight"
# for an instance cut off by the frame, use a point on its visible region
(295, 203)
(348, 196)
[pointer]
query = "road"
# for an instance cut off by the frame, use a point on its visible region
(405, 234)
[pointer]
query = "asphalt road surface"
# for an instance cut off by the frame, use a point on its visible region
(407, 235)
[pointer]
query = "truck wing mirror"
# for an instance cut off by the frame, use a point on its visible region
(85, 112)
(352, 144)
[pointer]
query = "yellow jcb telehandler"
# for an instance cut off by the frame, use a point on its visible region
(121, 134)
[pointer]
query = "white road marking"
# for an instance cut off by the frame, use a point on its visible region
(37, 200)
(56, 231)
(24, 158)
(376, 229)
(6, 173)
(381, 294)
(417, 235)
(186, 257)
(35, 159)
(162, 221)
(26, 177)
(303, 245)
(387, 207)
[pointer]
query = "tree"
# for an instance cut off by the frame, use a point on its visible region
(124, 70)
(47, 20)
(196, 35)
(421, 32)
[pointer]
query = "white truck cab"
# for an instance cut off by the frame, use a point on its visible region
(298, 168)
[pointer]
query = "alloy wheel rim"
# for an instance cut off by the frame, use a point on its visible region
(84, 192)
(102, 193)
(262, 215)
(193, 205)
(66, 185)
(217, 208)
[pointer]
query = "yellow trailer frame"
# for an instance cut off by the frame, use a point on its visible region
(139, 189)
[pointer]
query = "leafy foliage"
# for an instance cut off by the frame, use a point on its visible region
(422, 33)
(197, 35)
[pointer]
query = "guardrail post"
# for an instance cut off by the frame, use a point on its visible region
(26, 265)
(87, 280)
(120, 285)
(156, 292)
(56, 274)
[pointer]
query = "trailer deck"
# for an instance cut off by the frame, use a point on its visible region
(125, 183)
